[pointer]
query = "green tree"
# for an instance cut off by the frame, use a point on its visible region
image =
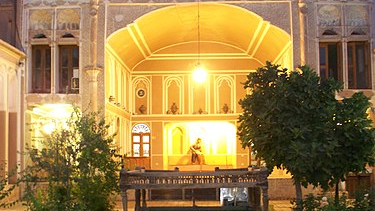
(353, 138)
(98, 165)
(80, 165)
(286, 120)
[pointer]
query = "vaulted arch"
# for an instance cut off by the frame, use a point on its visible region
(231, 38)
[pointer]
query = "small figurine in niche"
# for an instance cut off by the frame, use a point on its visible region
(225, 108)
(174, 108)
(142, 109)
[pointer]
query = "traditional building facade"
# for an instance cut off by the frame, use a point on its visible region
(12, 60)
(134, 61)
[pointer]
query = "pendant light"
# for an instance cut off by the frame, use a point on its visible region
(199, 74)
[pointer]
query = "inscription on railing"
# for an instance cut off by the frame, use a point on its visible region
(138, 179)
(167, 179)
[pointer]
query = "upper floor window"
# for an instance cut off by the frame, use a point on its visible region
(330, 60)
(68, 69)
(7, 22)
(359, 76)
(358, 63)
(41, 69)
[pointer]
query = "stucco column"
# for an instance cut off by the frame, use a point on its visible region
(54, 54)
(302, 24)
(93, 70)
(93, 87)
(94, 6)
(21, 116)
(344, 52)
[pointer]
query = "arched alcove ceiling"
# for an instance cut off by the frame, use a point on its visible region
(231, 38)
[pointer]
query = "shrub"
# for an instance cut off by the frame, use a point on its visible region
(6, 189)
(364, 201)
(80, 164)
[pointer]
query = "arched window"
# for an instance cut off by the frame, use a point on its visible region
(140, 141)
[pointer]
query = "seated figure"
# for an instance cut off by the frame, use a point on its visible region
(196, 149)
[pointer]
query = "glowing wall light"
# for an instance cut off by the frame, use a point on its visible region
(199, 74)
(49, 128)
(52, 117)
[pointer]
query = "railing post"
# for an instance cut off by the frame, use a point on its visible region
(144, 204)
(124, 199)
(137, 200)
(124, 195)
(264, 187)
(265, 197)
(254, 197)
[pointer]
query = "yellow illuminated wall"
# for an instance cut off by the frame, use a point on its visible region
(218, 142)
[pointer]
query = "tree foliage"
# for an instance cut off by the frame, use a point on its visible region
(352, 136)
(6, 189)
(79, 164)
(292, 120)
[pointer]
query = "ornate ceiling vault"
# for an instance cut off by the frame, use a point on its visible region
(231, 38)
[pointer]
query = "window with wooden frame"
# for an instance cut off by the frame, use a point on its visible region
(41, 69)
(140, 141)
(8, 22)
(330, 61)
(359, 75)
(141, 145)
(68, 68)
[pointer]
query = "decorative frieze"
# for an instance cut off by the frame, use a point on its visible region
(343, 19)
(329, 15)
(41, 24)
(68, 19)
(54, 2)
(356, 15)
(41, 19)
(33, 99)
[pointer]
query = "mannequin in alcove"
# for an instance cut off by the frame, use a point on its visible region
(197, 155)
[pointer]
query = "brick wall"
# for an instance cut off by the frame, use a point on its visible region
(283, 189)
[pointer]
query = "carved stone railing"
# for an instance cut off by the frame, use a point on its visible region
(155, 179)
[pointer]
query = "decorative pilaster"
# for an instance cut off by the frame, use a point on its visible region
(93, 70)
(302, 24)
(94, 6)
(53, 75)
(345, 67)
(93, 87)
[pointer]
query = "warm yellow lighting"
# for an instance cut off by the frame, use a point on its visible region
(52, 117)
(49, 128)
(218, 142)
(199, 74)
(60, 113)
(56, 111)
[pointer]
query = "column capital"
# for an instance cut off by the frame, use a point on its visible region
(302, 7)
(93, 73)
